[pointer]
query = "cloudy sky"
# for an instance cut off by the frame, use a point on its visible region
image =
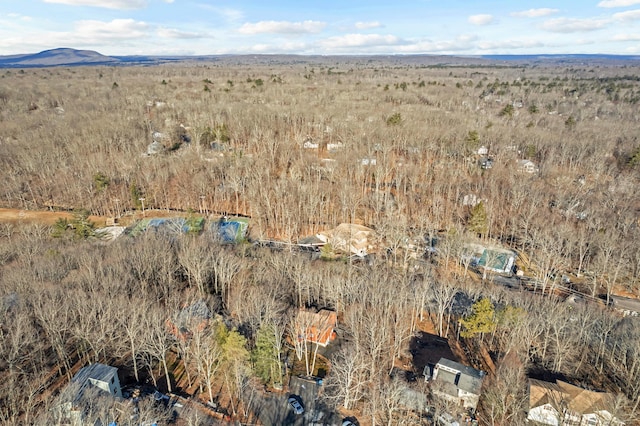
(186, 27)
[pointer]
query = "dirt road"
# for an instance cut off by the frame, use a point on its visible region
(43, 217)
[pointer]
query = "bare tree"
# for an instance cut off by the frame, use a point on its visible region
(196, 258)
(207, 356)
(348, 380)
(443, 294)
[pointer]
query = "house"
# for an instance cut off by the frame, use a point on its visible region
(154, 148)
(485, 163)
(527, 166)
(561, 403)
(316, 327)
(231, 230)
(349, 238)
(98, 375)
(96, 385)
(368, 161)
(333, 147)
(497, 260)
(309, 144)
(471, 200)
(494, 259)
(626, 305)
(193, 317)
(456, 382)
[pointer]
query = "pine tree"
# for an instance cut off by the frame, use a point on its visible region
(482, 319)
(478, 222)
(264, 356)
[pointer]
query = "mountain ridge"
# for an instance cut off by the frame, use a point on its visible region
(57, 57)
(65, 56)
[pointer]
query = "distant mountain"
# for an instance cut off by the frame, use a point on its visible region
(73, 57)
(564, 59)
(57, 57)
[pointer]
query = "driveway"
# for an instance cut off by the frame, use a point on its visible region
(273, 409)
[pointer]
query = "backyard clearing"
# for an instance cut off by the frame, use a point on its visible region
(38, 216)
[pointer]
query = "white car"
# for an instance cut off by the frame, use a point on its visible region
(295, 404)
(446, 419)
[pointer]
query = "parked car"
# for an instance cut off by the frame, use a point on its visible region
(446, 419)
(347, 422)
(295, 404)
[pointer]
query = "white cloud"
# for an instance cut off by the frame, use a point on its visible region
(118, 29)
(108, 4)
(283, 27)
(177, 34)
(510, 44)
(573, 25)
(481, 19)
(231, 15)
(629, 15)
(279, 48)
(535, 13)
(618, 3)
(459, 44)
(626, 37)
(360, 40)
(368, 25)
(19, 16)
(128, 35)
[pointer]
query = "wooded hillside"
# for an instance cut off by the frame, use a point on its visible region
(417, 153)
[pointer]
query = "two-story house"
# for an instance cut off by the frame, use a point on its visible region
(454, 381)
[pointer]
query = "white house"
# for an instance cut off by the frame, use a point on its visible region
(561, 403)
(309, 144)
(368, 161)
(456, 382)
(527, 166)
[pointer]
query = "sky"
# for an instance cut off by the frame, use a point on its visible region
(211, 27)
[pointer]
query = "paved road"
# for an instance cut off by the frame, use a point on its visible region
(274, 409)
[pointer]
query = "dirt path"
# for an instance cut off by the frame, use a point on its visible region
(44, 217)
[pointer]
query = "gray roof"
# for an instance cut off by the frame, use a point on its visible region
(469, 379)
(196, 311)
(82, 381)
(97, 371)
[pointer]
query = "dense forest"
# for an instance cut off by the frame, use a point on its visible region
(418, 153)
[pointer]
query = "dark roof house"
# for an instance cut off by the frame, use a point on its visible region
(96, 385)
(191, 318)
(455, 381)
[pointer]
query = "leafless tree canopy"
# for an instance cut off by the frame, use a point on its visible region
(300, 148)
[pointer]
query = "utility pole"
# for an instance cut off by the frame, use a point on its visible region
(142, 201)
(117, 201)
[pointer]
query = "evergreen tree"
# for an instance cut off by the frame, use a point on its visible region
(265, 357)
(478, 222)
(481, 320)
